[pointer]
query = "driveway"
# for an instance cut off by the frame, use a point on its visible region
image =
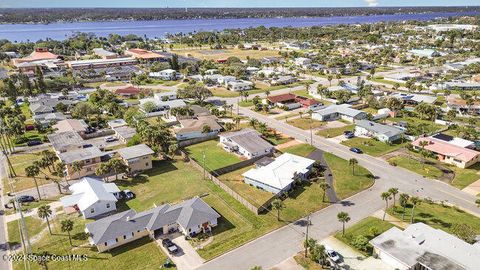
(187, 258)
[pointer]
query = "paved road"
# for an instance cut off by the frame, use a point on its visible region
(277, 246)
(3, 226)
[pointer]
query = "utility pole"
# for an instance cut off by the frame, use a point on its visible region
(204, 171)
(306, 236)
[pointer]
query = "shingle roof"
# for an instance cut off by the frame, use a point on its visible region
(341, 109)
(371, 126)
(89, 191)
(80, 154)
(248, 139)
(135, 151)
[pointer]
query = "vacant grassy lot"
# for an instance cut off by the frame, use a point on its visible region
(438, 216)
(413, 165)
(306, 263)
(140, 254)
(345, 182)
(373, 147)
(215, 156)
(33, 224)
(305, 123)
(299, 149)
(225, 53)
(465, 177)
(223, 92)
(334, 132)
(418, 126)
(369, 227)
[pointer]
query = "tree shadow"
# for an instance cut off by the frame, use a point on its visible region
(80, 236)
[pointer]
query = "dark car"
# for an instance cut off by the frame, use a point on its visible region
(34, 142)
(356, 150)
(87, 145)
(127, 194)
(170, 246)
(166, 242)
(349, 135)
(25, 198)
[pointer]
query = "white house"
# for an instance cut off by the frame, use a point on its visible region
(302, 62)
(166, 75)
(381, 132)
(196, 128)
(239, 85)
(247, 142)
(92, 197)
(278, 176)
(164, 101)
(334, 112)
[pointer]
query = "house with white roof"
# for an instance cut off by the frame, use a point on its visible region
(166, 75)
(334, 112)
(163, 102)
(247, 142)
(92, 197)
(239, 85)
(420, 246)
(278, 176)
(383, 133)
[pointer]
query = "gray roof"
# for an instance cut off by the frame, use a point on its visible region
(125, 132)
(64, 139)
(40, 108)
(188, 214)
(80, 154)
(248, 139)
(343, 109)
(135, 151)
(431, 247)
(388, 131)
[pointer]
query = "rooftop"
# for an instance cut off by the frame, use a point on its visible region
(386, 130)
(80, 154)
(248, 139)
(135, 151)
(196, 124)
(444, 148)
(89, 191)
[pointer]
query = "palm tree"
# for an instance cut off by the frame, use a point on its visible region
(267, 93)
(77, 168)
(67, 226)
(415, 201)
(403, 201)
(253, 122)
(324, 186)
(33, 171)
(352, 162)
(344, 218)
(477, 202)
(118, 167)
(393, 192)
(278, 205)
(44, 212)
(385, 196)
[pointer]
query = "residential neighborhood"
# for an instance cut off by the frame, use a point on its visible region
(313, 145)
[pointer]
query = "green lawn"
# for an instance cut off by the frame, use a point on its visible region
(334, 132)
(306, 263)
(438, 216)
(246, 103)
(373, 147)
(305, 122)
(345, 183)
(416, 166)
(33, 224)
(30, 136)
(369, 227)
(465, 177)
(31, 205)
(215, 156)
(299, 149)
(223, 92)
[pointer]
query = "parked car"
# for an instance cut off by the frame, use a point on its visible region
(128, 194)
(166, 242)
(25, 198)
(34, 142)
(332, 254)
(110, 139)
(349, 135)
(87, 145)
(356, 150)
(170, 246)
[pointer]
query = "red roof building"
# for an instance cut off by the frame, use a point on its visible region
(292, 98)
(128, 91)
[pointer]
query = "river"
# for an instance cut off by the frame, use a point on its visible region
(158, 29)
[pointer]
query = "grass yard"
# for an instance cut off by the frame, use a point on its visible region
(373, 147)
(215, 156)
(33, 224)
(246, 103)
(223, 92)
(139, 254)
(418, 126)
(299, 149)
(465, 177)
(369, 227)
(334, 132)
(305, 122)
(438, 216)
(29, 136)
(345, 183)
(31, 205)
(416, 166)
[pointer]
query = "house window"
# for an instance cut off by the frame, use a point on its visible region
(116, 240)
(92, 211)
(133, 234)
(105, 243)
(124, 237)
(108, 205)
(147, 164)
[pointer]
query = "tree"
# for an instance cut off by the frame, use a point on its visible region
(117, 166)
(149, 107)
(477, 202)
(464, 232)
(33, 171)
(394, 104)
(324, 186)
(44, 212)
(77, 167)
(403, 201)
(415, 201)
(278, 205)
(196, 91)
(343, 217)
(352, 162)
(67, 226)
(360, 242)
(393, 192)
(103, 169)
(385, 196)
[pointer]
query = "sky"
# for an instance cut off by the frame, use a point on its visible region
(230, 3)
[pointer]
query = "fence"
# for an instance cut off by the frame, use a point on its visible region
(99, 133)
(197, 140)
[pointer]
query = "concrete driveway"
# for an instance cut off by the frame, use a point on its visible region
(187, 258)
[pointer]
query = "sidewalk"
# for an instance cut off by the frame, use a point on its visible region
(33, 212)
(395, 221)
(473, 188)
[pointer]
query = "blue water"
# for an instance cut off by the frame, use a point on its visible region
(158, 29)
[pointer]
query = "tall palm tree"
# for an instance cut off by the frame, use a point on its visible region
(344, 218)
(324, 186)
(67, 226)
(352, 162)
(477, 202)
(77, 167)
(393, 192)
(415, 201)
(33, 171)
(385, 196)
(403, 201)
(44, 212)
(278, 205)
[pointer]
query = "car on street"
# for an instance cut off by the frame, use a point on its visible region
(25, 198)
(128, 194)
(110, 139)
(356, 150)
(34, 143)
(332, 254)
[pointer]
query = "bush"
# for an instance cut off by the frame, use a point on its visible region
(360, 242)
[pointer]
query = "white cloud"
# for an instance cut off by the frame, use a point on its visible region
(371, 3)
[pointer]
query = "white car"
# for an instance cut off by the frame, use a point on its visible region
(332, 254)
(110, 139)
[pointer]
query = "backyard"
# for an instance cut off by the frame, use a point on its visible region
(302, 149)
(373, 147)
(215, 156)
(334, 132)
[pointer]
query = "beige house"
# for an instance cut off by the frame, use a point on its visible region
(88, 158)
(137, 157)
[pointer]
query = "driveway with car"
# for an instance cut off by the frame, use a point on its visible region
(187, 257)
